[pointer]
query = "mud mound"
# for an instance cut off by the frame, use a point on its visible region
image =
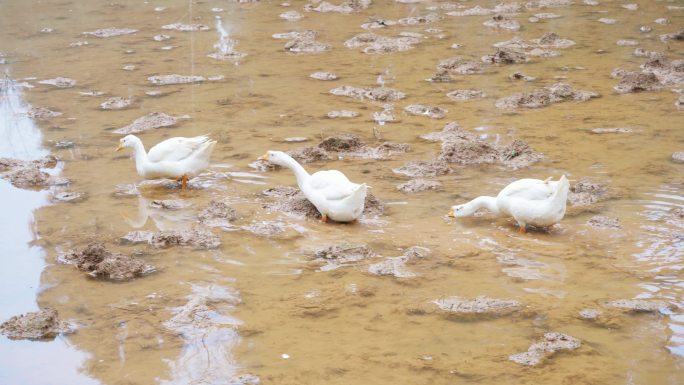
(394, 266)
(274, 229)
(197, 239)
(550, 344)
(381, 94)
(350, 145)
(587, 193)
(342, 114)
(678, 157)
(325, 76)
(433, 112)
(217, 214)
(309, 154)
(333, 257)
(169, 204)
(40, 325)
(416, 20)
(28, 174)
(637, 82)
(478, 306)
(116, 103)
(186, 27)
(377, 44)
(111, 32)
(42, 113)
(603, 222)
(149, 121)
(452, 131)
(518, 154)
(521, 76)
(468, 153)
(59, 82)
(417, 185)
(552, 40)
(346, 7)
(505, 56)
(542, 97)
(461, 66)
(639, 305)
(99, 262)
(463, 95)
(69, 196)
(502, 22)
(430, 168)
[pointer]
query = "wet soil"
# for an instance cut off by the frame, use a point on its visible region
(99, 262)
(40, 325)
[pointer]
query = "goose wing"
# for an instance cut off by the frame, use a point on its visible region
(331, 184)
(530, 189)
(175, 149)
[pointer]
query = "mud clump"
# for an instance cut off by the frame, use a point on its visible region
(342, 114)
(274, 229)
(505, 56)
(552, 40)
(639, 305)
(678, 157)
(197, 239)
(136, 237)
(111, 32)
(163, 80)
(416, 20)
(376, 44)
(378, 94)
(632, 82)
(28, 174)
(325, 76)
(99, 262)
(304, 42)
(429, 111)
(480, 306)
(346, 7)
(40, 325)
(587, 193)
(542, 97)
(217, 214)
(421, 169)
(68, 197)
(518, 154)
(186, 27)
(149, 121)
(116, 103)
(341, 143)
(396, 266)
(384, 150)
(333, 257)
(42, 113)
(464, 148)
(461, 66)
(468, 153)
(169, 204)
(309, 154)
(417, 185)
(499, 21)
(590, 314)
(550, 344)
(59, 82)
(603, 222)
(611, 130)
(676, 36)
(463, 95)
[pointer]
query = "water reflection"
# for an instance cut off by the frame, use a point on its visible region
(23, 263)
(662, 252)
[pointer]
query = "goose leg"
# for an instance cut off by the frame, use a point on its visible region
(522, 228)
(324, 218)
(184, 183)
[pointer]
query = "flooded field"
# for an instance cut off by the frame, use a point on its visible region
(236, 281)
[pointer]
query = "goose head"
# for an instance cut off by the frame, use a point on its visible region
(127, 141)
(458, 211)
(276, 157)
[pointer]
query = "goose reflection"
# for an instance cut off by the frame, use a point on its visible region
(166, 215)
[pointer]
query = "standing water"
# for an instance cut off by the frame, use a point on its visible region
(478, 94)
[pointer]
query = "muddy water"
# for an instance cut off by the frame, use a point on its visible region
(257, 305)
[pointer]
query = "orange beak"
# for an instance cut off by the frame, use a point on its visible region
(121, 147)
(263, 157)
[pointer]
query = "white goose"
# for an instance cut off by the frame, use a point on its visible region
(176, 158)
(534, 202)
(334, 196)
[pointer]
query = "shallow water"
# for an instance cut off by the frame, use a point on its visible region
(258, 305)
